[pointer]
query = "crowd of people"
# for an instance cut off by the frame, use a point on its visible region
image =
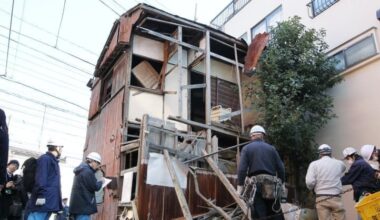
(38, 197)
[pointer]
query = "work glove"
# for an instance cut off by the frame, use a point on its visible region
(40, 202)
(239, 189)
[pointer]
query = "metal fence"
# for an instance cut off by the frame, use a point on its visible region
(228, 12)
(316, 7)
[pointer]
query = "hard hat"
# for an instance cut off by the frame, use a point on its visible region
(257, 129)
(348, 151)
(324, 149)
(53, 143)
(366, 151)
(94, 156)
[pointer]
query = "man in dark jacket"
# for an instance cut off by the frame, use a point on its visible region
(82, 200)
(261, 162)
(6, 195)
(46, 196)
(4, 148)
(360, 175)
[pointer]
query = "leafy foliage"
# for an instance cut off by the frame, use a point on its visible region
(294, 75)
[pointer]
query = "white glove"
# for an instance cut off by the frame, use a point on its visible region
(239, 189)
(40, 202)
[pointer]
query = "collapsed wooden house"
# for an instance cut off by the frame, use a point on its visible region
(166, 91)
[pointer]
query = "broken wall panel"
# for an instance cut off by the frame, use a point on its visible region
(149, 48)
(171, 100)
(146, 75)
(250, 90)
(141, 103)
(111, 46)
(219, 70)
(95, 99)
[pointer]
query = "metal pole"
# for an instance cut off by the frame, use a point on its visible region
(179, 62)
(208, 91)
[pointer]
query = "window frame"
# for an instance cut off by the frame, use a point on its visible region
(108, 78)
(265, 21)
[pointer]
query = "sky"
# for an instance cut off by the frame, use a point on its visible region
(48, 58)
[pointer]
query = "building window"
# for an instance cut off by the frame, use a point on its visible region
(270, 21)
(244, 37)
(106, 88)
(318, 6)
(355, 54)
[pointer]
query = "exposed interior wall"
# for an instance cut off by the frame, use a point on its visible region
(219, 70)
(141, 103)
(171, 100)
(148, 48)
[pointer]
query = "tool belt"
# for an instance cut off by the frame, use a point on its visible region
(270, 185)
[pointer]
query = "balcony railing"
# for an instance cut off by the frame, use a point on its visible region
(316, 7)
(228, 12)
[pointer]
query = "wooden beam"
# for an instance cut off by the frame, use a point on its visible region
(178, 190)
(179, 62)
(135, 212)
(208, 91)
(230, 188)
(194, 86)
(239, 87)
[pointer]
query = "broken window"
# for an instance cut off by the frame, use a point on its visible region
(145, 73)
(106, 88)
(131, 159)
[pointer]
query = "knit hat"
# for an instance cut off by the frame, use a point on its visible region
(366, 151)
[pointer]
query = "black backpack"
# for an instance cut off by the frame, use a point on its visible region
(29, 173)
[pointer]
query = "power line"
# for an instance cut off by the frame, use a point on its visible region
(119, 5)
(20, 27)
(48, 62)
(43, 92)
(9, 39)
(60, 23)
(54, 47)
(109, 8)
(42, 103)
(48, 32)
(48, 55)
(36, 75)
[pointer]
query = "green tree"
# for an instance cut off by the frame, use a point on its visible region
(295, 74)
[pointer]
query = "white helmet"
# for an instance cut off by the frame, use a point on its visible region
(324, 149)
(257, 129)
(53, 143)
(94, 156)
(348, 151)
(366, 151)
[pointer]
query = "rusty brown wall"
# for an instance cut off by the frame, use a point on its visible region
(95, 98)
(103, 136)
(158, 202)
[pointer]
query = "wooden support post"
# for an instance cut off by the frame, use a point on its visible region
(208, 91)
(179, 62)
(135, 212)
(178, 190)
(239, 87)
(230, 188)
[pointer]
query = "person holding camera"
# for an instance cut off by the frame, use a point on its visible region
(6, 196)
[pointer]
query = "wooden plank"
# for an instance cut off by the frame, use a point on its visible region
(179, 62)
(239, 86)
(230, 188)
(134, 209)
(208, 90)
(146, 75)
(178, 190)
(130, 146)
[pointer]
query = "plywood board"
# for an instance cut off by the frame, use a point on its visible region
(146, 75)
(149, 48)
(127, 187)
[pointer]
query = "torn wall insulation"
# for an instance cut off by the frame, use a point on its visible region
(158, 173)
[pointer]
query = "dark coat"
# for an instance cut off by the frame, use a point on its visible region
(82, 200)
(362, 178)
(47, 185)
(6, 197)
(4, 147)
(259, 157)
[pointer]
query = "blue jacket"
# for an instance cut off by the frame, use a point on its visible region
(259, 157)
(47, 185)
(4, 147)
(362, 178)
(82, 200)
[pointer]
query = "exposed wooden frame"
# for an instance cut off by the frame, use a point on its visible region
(208, 91)
(179, 63)
(237, 71)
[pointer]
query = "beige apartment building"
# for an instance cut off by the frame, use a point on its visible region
(353, 35)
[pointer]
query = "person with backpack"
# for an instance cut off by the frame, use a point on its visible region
(82, 200)
(4, 148)
(46, 197)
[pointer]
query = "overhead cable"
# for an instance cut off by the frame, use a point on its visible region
(50, 56)
(43, 92)
(48, 32)
(110, 8)
(60, 23)
(9, 39)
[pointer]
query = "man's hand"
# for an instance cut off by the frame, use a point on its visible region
(40, 202)
(10, 184)
(239, 189)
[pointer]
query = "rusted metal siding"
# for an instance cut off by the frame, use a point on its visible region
(95, 96)
(254, 51)
(126, 24)
(158, 202)
(104, 137)
(118, 78)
